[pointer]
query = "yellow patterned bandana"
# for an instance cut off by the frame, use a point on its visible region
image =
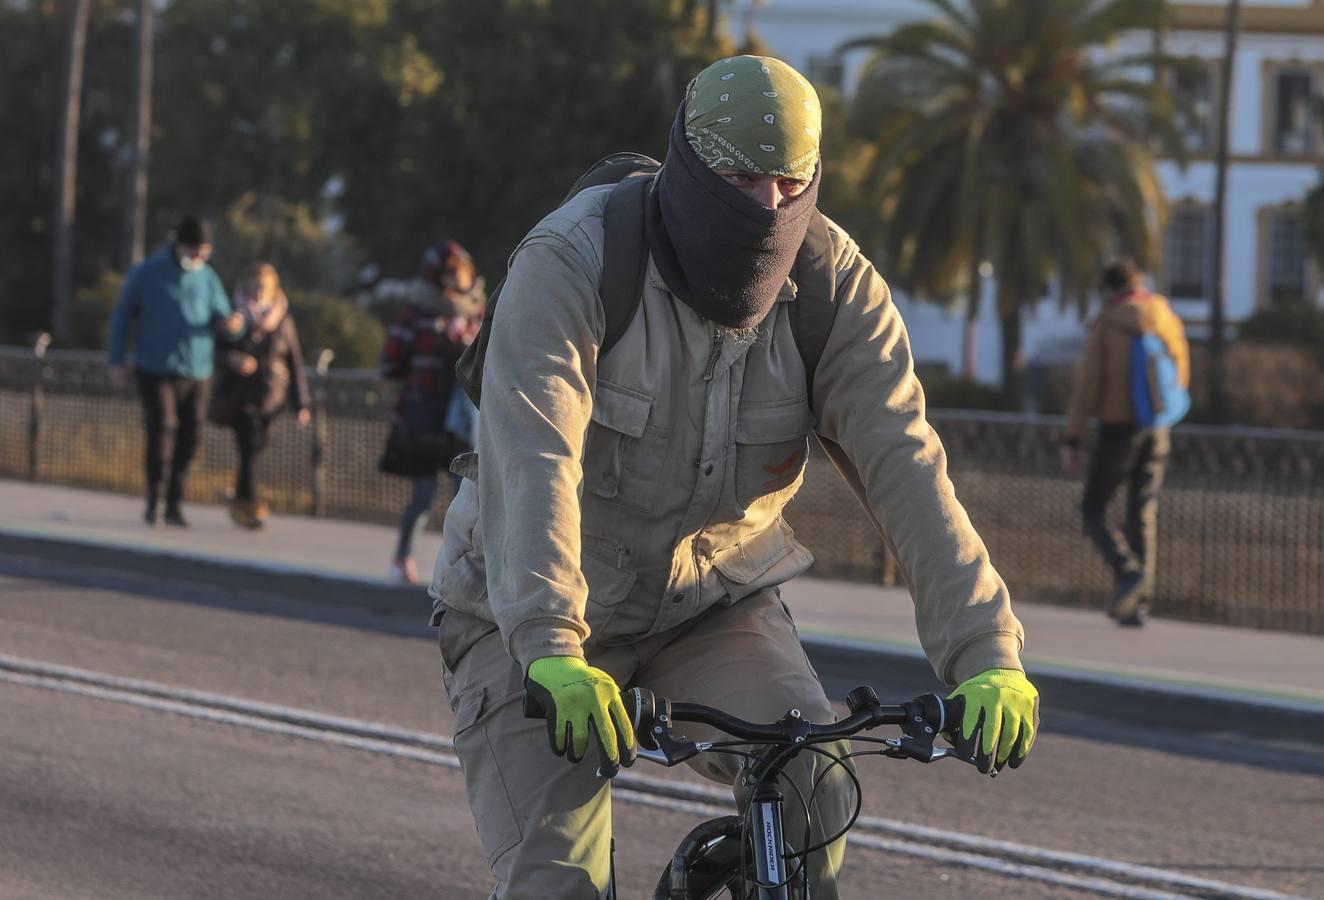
(754, 114)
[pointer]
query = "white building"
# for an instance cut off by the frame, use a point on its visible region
(1276, 150)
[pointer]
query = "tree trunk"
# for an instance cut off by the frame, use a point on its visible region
(970, 330)
(135, 209)
(1013, 360)
(969, 337)
(66, 168)
(1217, 402)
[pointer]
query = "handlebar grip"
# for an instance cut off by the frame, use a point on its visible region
(942, 713)
(641, 705)
(953, 714)
(639, 702)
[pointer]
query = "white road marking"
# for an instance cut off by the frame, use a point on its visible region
(888, 835)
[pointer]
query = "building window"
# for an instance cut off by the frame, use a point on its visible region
(1193, 89)
(1186, 253)
(1296, 124)
(827, 71)
(1287, 258)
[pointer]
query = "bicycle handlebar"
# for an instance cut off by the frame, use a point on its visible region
(776, 732)
(921, 720)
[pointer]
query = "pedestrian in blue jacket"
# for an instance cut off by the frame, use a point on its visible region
(177, 304)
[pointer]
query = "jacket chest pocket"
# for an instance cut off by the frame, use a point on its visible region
(772, 446)
(623, 454)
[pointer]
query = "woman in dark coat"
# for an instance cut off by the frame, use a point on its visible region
(258, 375)
(442, 316)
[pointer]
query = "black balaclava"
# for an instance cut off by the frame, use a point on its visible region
(724, 254)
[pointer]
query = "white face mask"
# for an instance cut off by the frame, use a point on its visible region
(191, 264)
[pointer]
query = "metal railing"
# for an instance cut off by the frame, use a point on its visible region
(1241, 514)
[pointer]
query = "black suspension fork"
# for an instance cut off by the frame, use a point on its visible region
(767, 841)
(766, 801)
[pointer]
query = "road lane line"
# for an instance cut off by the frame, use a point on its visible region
(950, 847)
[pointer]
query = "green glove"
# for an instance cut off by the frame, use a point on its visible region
(578, 699)
(1001, 711)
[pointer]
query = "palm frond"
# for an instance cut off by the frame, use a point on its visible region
(1000, 131)
(1101, 23)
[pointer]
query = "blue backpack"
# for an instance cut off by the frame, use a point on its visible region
(1157, 395)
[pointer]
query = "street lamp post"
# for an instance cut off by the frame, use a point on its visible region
(1217, 400)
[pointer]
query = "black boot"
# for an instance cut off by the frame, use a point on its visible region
(174, 495)
(1128, 593)
(151, 515)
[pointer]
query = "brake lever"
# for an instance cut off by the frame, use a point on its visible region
(919, 731)
(903, 748)
(908, 748)
(665, 749)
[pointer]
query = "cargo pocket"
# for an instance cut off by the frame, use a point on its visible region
(772, 447)
(771, 557)
(466, 465)
(610, 577)
(462, 586)
(457, 634)
(489, 798)
(624, 455)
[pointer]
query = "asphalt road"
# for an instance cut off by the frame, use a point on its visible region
(107, 799)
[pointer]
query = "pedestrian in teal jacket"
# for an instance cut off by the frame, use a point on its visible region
(177, 304)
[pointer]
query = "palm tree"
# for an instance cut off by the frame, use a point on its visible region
(1007, 132)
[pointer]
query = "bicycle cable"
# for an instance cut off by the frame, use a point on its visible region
(746, 820)
(801, 857)
(857, 802)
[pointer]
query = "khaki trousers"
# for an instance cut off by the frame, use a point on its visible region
(545, 824)
(1137, 457)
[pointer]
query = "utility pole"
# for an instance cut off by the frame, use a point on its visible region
(66, 168)
(1217, 398)
(135, 209)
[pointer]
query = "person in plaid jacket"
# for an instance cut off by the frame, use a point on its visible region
(442, 316)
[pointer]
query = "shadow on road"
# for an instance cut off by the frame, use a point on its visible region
(405, 612)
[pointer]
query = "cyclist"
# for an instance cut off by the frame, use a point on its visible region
(626, 525)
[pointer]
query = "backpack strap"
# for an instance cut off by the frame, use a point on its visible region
(624, 256)
(814, 310)
(613, 169)
(625, 259)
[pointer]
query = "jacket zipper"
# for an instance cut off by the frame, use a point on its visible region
(712, 357)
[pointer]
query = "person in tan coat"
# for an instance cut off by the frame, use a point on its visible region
(621, 522)
(1124, 452)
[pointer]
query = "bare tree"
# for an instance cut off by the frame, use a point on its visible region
(1217, 404)
(66, 167)
(135, 209)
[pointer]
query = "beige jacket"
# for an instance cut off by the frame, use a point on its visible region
(624, 496)
(1102, 386)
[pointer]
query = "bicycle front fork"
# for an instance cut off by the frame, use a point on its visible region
(768, 843)
(611, 874)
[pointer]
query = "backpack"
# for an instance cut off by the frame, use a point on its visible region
(625, 261)
(1157, 396)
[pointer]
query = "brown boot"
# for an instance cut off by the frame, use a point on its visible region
(243, 513)
(260, 513)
